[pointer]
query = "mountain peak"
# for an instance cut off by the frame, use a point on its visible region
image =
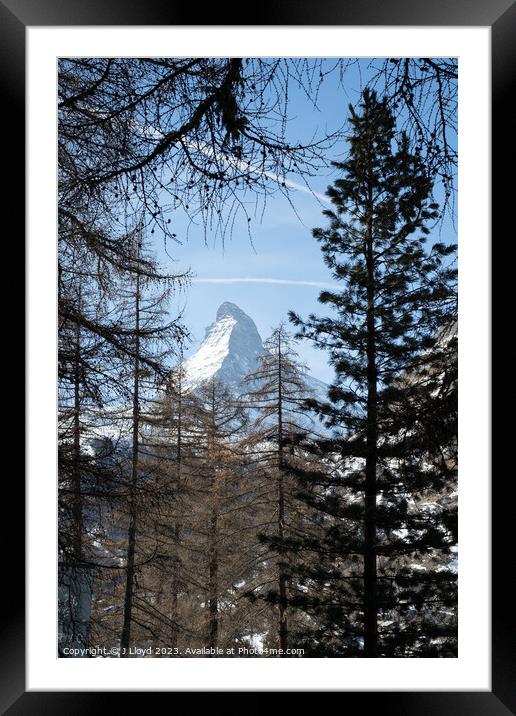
(231, 310)
(229, 350)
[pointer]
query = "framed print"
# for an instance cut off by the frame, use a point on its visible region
(270, 396)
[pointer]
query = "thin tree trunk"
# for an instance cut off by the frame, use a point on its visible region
(213, 587)
(177, 529)
(131, 542)
(213, 584)
(80, 595)
(370, 577)
(76, 470)
(174, 614)
(282, 577)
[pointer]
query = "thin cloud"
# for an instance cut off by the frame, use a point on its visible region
(282, 281)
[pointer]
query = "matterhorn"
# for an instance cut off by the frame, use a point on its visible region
(230, 351)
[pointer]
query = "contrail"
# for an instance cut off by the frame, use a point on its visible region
(283, 281)
(241, 164)
(293, 184)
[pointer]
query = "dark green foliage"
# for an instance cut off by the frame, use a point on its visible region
(387, 504)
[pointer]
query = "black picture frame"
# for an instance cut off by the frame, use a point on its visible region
(500, 15)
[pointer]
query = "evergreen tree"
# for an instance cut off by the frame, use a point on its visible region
(217, 509)
(178, 431)
(276, 398)
(154, 341)
(397, 295)
(91, 384)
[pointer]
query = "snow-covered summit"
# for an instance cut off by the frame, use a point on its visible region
(229, 350)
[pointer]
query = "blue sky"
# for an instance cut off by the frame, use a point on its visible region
(282, 248)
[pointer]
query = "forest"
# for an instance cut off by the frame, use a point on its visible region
(262, 519)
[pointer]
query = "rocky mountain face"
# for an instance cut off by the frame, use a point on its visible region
(230, 350)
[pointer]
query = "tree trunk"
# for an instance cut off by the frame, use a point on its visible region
(76, 470)
(131, 541)
(213, 553)
(370, 578)
(282, 577)
(79, 587)
(213, 586)
(174, 614)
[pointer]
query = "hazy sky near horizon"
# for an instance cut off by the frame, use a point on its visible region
(281, 269)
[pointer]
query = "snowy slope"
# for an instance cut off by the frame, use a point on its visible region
(230, 350)
(208, 360)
